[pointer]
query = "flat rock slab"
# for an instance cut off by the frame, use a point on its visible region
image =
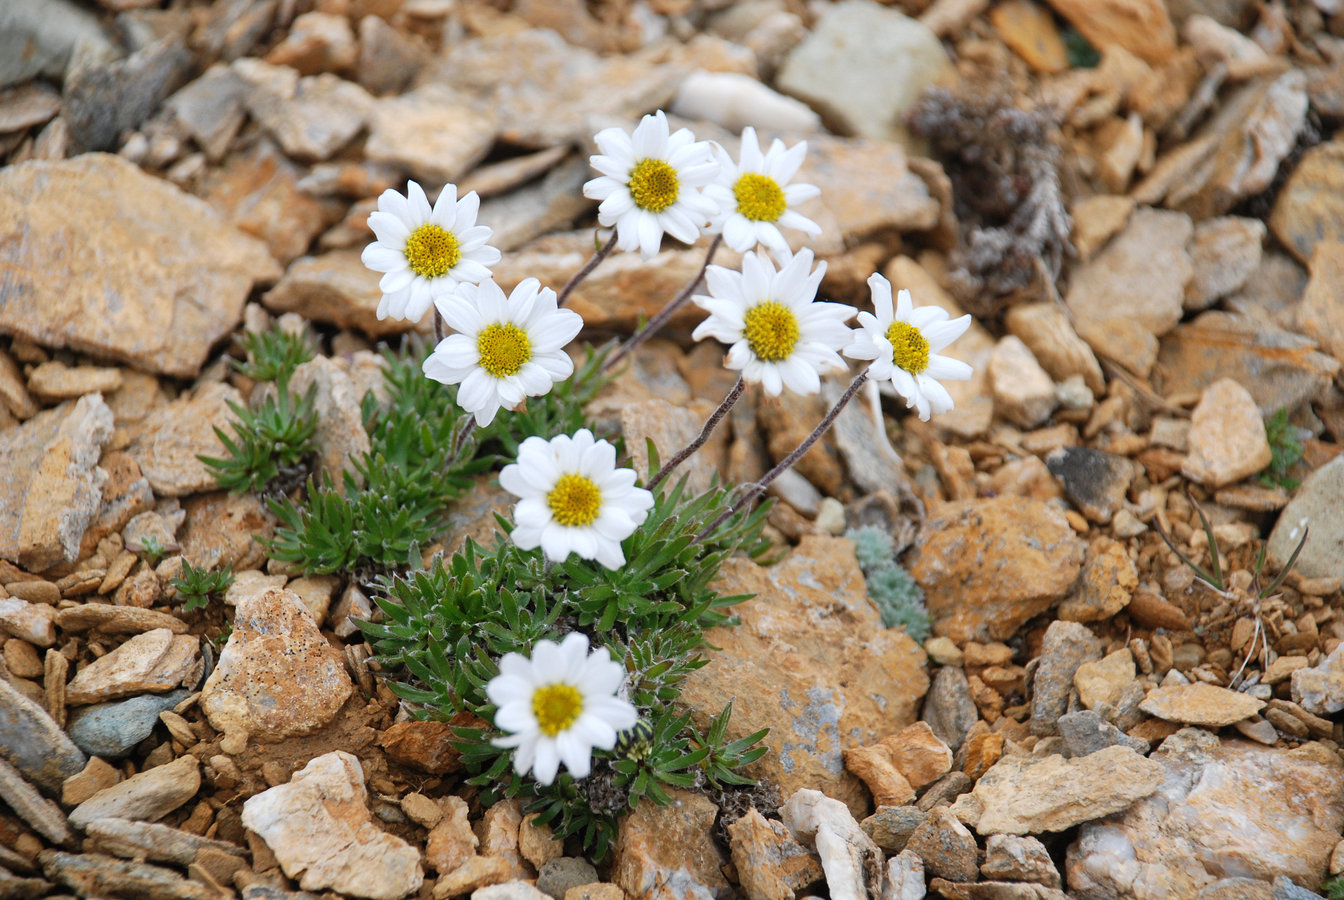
(104, 258)
(173, 437)
(32, 741)
(1223, 808)
(1030, 795)
(97, 875)
(153, 662)
(1317, 509)
(319, 827)
(1200, 704)
(147, 796)
(50, 483)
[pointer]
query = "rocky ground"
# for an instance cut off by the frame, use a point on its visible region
(1140, 202)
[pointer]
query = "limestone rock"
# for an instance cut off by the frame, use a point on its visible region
(850, 859)
(1105, 586)
(1200, 704)
(1317, 508)
(949, 709)
(430, 133)
(113, 298)
(1029, 795)
(32, 741)
(668, 852)
(153, 662)
(1095, 481)
(311, 117)
(111, 730)
(50, 485)
(39, 37)
(987, 566)
(771, 865)
(1133, 291)
(1010, 857)
(1227, 440)
(1064, 649)
(819, 680)
(277, 675)
(317, 42)
(866, 186)
(734, 101)
(1103, 681)
(1140, 26)
(1319, 314)
(671, 427)
(334, 287)
(1287, 806)
(1024, 394)
(1050, 337)
(830, 69)
(210, 109)
(319, 827)
(946, 847)
(340, 436)
(147, 796)
(1224, 252)
(222, 529)
(56, 381)
(1310, 207)
(1320, 689)
(174, 436)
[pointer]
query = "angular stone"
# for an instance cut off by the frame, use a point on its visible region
(210, 109)
(1227, 440)
(311, 117)
(1103, 682)
(1310, 207)
(1320, 689)
(1225, 252)
(111, 730)
(866, 186)
(98, 875)
(148, 796)
(1140, 26)
(174, 436)
(1133, 291)
(32, 741)
(451, 841)
(551, 204)
(43, 815)
(1030, 32)
(56, 381)
(852, 862)
(1095, 481)
(1029, 795)
(111, 298)
(1319, 315)
(388, 58)
(31, 622)
(1086, 732)
(819, 682)
(103, 100)
(1010, 857)
(38, 37)
(1288, 807)
(222, 530)
(317, 42)
(50, 486)
(948, 708)
(657, 845)
(1316, 510)
(1200, 704)
(828, 70)
(334, 287)
(153, 662)
(111, 619)
(319, 828)
(1024, 394)
(1065, 647)
(426, 746)
(873, 764)
(891, 826)
(946, 847)
(340, 437)
(771, 865)
(430, 133)
(988, 566)
(1105, 586)
(733, 101)
(1048, 334)
(277, 675)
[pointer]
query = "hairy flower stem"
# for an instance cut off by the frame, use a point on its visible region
(699, 442)
(464, 431)
(787, 462)
(438, 327)
(602, 253)
(658, 321)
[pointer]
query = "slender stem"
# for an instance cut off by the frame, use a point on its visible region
(699, 442)
(460, 437)
(438, 327)
(602, 253)
(787, 462)
(658, 321)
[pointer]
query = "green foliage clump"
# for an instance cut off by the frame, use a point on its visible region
(1081, 53)
(272, 446)
(274, 354)
(1285, 447)
(153, 550)
(197, 587)
(445, 628)
(1333, 888)
(899, 598)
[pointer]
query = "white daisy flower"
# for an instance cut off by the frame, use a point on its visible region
(755, 198)
(504, 349)
(559, 705)
(574, 499)
(650, 184)
(426, 252)
(778, 335)
(903, 345)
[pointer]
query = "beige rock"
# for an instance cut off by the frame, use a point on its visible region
(94, 777)
(672, 427)
(113, 297)
(551, 204)
(498, 833)
(1102, 682)
(338, 288)
(1225, 252)
(1131, 293)
(451, 842)
(1030, 31)
(311, 117)
(1320, 689)
(1050, 337)
(277, 676)
(873, 764)
(1096, 220)
(820, 682)
(1320, 315)
(852, 862)
(1140, 26)
(430, 133)
(317, 42)
(1029, 795)
(1286, 805)
(319, 828)
(867, 186)
(152, 662)
(13, 391)
(249, 583)
(771, 865)
(223, 529)
(57, 381)
(987, 566)
(1119, 145)
(340, 436)
(147, 796)
(669, 852)
(918, 754)
(422, 810)
(174, 436)
(31, 622)
(1310, 207)
(388, 57)
(1227, 440)
(111, 619)
(1106, 585)
(1024, 394)
(477, 872)
(538, 843)
(1200, 704)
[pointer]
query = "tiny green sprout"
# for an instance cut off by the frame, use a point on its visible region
(153, 549)
(198, 586)
(273, 355)
(1285, 447)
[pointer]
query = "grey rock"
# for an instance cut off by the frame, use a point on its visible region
(1085, 731)
(43, 815)
(944, 790)
(529, 212)
(149, 840)
(832, 68)
(890, 827)
(1067, 645)
(946, 846)
(1317, 509)
(869, 458)
(105, 100)
(111, 730)
(210, 109)
(948, 707)
(96, 875)
(33, 742)
(1286, 889)
(310, 117)
(558, 875)
(1011, 857)
(38, 37)
(388, 59)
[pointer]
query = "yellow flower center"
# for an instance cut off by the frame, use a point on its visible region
(431, 251)
(771, 330)
(503, 349)
(574, 501)
(909, 348)
(654, 185)
(759, 197)
(556, 706)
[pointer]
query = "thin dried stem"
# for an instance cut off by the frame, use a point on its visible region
(438, 327)
(602, 253)
(658, 321)
(685, 452)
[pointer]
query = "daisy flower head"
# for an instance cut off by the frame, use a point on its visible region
(558, 706)
(425, 252)
(505, 349)
(903, 344)
(650, 184)
(755, 198)
(777, 334)
(573, 499)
